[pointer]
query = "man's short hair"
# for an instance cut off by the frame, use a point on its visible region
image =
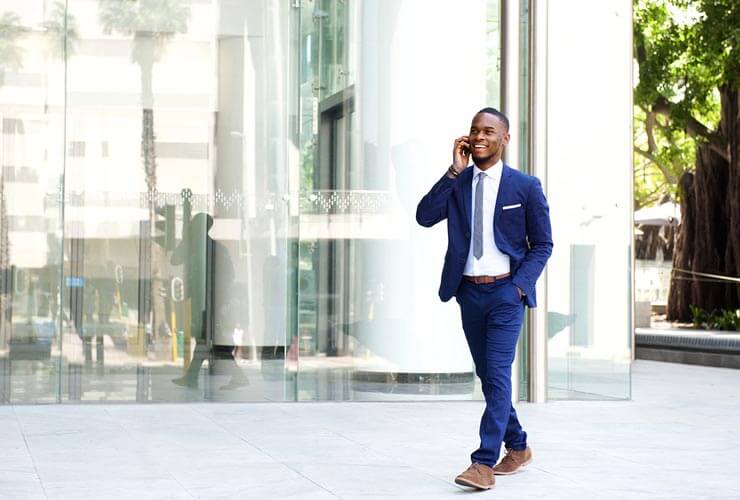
(495, 112)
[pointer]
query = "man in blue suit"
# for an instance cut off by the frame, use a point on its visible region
(498, 241)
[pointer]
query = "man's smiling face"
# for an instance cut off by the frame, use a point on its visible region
(488, 137)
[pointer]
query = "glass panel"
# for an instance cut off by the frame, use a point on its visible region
(493, 53)
(31, 163)
(372, 143)
(176, 279)
(176, 251)
(589, 275)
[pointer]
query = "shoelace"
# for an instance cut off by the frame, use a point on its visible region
(510, 455)
(478, 467)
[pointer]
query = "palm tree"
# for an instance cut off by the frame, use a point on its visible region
(61, 31)
(11, 57)
(152, 24)
(10, 30)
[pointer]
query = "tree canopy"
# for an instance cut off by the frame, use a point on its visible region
(686, 52)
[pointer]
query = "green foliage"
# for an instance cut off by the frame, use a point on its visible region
(61, 27)
(152, 22)
(698, 316)
(58, 28)
(657, 172)
(307, 166)
(11, 54)
(723, 319)
(685, 50)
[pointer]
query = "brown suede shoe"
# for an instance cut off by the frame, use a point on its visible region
(478, 476)
(513, 461)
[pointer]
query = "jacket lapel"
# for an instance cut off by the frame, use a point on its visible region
(505, 174)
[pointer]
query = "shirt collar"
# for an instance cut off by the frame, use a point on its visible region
(494, 172)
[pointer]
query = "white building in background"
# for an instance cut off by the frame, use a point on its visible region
(308, 130)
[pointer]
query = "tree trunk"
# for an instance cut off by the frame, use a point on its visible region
(158, 319)
(709, 236)
(5, 271)
(679, 296)
(655, 243)
(730, 129)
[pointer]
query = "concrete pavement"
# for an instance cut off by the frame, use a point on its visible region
(678, 438)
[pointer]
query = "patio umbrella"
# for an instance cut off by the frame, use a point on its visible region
(667, 214)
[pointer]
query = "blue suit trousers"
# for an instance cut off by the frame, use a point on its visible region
(492, 317)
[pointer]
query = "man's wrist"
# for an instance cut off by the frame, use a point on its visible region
(452, 173)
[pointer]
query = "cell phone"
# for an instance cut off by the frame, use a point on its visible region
(465, 151)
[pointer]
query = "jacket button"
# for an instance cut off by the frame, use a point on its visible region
(467, 235)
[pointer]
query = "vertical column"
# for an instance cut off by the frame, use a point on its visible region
(510, 70)
(510, 90)
(538, 141)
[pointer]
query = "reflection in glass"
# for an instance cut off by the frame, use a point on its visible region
(373, 127)
(237, 182)
(31, 113)
(175, 215)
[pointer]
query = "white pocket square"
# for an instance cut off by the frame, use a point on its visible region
(509, 207)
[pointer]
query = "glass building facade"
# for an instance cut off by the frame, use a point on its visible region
(213, 200)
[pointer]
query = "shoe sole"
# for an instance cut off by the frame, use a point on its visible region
(518, 469)
(463, 482)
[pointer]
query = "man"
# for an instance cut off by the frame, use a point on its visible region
(211, 308)
(499, 239)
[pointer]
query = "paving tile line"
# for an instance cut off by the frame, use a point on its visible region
(268, 454)
(30, 454)
(115, 420)
(391, 460)
(416, 468)
(126, 430)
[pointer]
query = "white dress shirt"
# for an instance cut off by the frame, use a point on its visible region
(492, 262)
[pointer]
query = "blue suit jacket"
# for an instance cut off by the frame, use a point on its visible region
(523, 233)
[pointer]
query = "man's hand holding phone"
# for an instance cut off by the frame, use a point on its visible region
(460, 156)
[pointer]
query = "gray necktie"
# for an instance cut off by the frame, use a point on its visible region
(478, 219)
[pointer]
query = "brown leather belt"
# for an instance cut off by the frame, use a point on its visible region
(482, 280)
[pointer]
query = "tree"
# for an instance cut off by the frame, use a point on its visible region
(61, 31)
(152, 24)
(11, 58)
(689, 88)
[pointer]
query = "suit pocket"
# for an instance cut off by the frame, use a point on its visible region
(513, 223)
(515, 291)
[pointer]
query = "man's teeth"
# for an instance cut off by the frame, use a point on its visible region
(479, 146)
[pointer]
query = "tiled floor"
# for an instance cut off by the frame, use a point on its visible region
(678, 438)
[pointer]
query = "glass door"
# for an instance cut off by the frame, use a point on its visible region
(328, 263)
